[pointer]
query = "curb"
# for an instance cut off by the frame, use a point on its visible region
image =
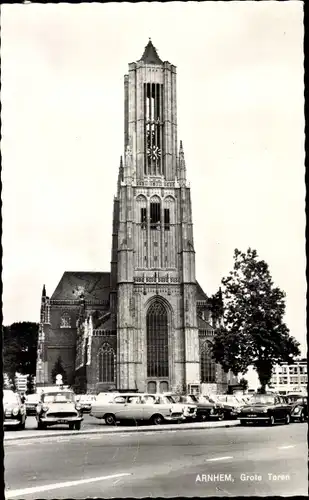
(120, 430)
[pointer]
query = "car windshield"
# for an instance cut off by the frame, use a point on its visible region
(10, 397)
(227, 399)
(262, 399)
(85, 398)
(58, 397)
(192, 399)
(32, 398)
(170, 399)
(207, 399)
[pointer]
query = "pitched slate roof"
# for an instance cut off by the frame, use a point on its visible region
(202, 324)
(105, 324)
(94, 286)
(150, 55)
(200, 294)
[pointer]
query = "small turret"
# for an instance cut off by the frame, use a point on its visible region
(120, 175)
(128, 166)
(182, 166)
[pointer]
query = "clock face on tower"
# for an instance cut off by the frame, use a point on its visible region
(154, 152)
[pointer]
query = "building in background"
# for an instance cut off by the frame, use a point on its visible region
(290, 378)
(147, 323)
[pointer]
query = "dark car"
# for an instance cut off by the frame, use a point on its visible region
(230, 405)
(267, 408)
(31, 403)
(298, 404)
(14, 411)
(206, 410)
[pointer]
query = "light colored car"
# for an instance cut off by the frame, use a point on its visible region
(58, 407)
(189, 407)
(31, 403)
(14, 411)
(86, 401)
(138, 407)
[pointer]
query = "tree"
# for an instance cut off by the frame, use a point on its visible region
(253, 331)
(30, 384)
(216, 307)
(20, 348)
(244, 384)
(58, 369)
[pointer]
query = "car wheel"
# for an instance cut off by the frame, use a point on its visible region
(221, 417)
(302, 417)
(287, 419)
(71, 427)
(77, 426)
(157, 419)
(271, 420)
(202, 417)
(110, 419)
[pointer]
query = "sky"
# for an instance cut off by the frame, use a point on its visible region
(240, 117)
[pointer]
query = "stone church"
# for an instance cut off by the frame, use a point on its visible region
(145, 325)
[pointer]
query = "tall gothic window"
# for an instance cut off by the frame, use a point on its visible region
(153, 109)
(207, 364)
(65, 321)
(157, 341)
(106, 363)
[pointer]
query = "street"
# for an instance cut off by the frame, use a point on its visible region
(245, 461)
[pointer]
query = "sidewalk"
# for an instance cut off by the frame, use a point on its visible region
(119, 429)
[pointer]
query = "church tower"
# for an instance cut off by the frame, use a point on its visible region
(153, 284)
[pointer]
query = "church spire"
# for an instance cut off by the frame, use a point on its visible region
(182, 164)
(150, 55)
(44, 291)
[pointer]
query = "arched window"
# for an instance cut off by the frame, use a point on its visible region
(155, 213)
(106, 363)
(65, 321)
(207, 364)
(157, 341)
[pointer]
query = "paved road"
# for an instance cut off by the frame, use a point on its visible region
(93, 425)
(245, 461)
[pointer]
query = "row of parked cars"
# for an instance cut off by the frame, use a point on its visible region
(59, 405)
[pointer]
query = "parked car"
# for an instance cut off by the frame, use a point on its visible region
(31, 403)
(298, 404)
(85, 402)
(207, 409)
(189, 406)
(230, 405)
(14, 411)
(58, 407)
(138, 407)
(268, 408)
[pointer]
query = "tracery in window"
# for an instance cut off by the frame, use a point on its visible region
(207, 364)
(106, 363)
(65, 320)
(157, 340)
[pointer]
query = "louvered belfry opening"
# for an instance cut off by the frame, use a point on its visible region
(155, 215)
(106, 363)
(153, 112)
(207, 364)
(157, 341)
